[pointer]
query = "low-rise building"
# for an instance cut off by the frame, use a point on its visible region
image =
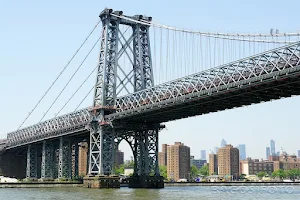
(254, 166)
(287, 162)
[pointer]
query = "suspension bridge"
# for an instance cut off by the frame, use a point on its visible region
(148, 74)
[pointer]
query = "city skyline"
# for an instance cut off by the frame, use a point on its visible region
(243, 154)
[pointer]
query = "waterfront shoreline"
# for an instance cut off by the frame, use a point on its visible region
(40, 185)
(171, 184)
(185, 184)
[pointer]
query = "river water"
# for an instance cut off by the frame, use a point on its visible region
(182, 193)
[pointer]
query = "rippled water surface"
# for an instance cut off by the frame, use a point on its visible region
(192, 192)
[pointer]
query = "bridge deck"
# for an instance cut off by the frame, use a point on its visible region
(269, 75)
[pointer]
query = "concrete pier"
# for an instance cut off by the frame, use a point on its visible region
(101, 182)
(146, 182)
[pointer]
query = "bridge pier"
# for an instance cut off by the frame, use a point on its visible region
(32, 160)
(64, 158)
(47, 161)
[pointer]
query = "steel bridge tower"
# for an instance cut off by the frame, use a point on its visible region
(106, 135)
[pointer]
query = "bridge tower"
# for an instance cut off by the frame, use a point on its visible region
(106, 135)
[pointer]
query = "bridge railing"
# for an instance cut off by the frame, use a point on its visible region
(63, 124)
(266, 63)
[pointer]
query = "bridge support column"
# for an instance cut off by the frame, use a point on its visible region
(75, 160)
(31, 168)
(146, 169)
(47, 161)
(64, 158)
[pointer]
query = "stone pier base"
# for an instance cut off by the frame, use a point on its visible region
(101, 181)
(146, 182)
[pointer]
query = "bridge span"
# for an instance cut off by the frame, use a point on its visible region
(260, 78)
(50, 149)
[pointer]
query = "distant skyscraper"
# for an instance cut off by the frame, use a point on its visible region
(216, 150)
(223, 143)
(242, 149)
(298, 153)
(268, 152)
(203, 155)
(272, 146)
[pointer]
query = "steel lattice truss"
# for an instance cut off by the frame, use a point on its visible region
(273, 64)
(62, 125)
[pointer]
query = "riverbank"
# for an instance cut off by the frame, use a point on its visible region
(171, 184)
(41, 184)
(229, 183)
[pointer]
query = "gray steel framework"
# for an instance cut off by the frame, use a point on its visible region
(273, 66)
(143, 74)
(66, 124)
(64, 160)
(31, 168)
(143, 141)
(102, 136)
(47, 160)
(75, 151)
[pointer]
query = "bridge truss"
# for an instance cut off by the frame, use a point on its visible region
(274, 65)
(137, 116)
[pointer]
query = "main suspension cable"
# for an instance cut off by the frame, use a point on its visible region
(66, 66)
(84, 98)
(233, 36)
(70, 79)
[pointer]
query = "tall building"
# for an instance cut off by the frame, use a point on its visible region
(229, 161)
(223, 143)
(298, 153)
(119, 158)
(216, 149)
(162, 156)
(213, 164)
(203, 155)
(272, 147)
(82, 158)
(242, 149)
(268, 152)
(178, 161)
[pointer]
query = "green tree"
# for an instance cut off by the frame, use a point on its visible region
(243, 176)
(163, 171)
(293, 173)
(279, 173)
(261, 174)
(204, 170)
(119, 170)
(194, 171)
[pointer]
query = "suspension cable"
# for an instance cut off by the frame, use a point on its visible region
(70, 79)
(65, 67)
(85, 80)
(84, 98)
(212, 34)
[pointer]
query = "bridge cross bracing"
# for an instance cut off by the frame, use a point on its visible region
(272, 64)
(136, 116)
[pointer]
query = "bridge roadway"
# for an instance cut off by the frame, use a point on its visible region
(270, 75)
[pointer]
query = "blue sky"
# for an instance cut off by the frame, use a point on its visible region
(37, 39)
